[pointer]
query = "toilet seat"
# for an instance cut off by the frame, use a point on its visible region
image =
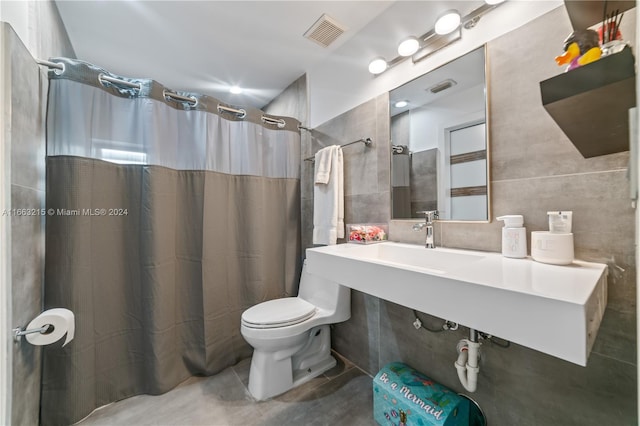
(278, 313)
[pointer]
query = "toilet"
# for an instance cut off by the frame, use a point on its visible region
(291, 337)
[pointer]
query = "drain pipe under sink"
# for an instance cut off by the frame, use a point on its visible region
(467, 362)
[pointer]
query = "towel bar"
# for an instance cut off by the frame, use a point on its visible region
(366, 141)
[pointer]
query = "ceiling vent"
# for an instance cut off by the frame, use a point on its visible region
(443, 85)
(325, 31)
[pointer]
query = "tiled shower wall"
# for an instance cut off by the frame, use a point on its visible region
(366, 169)
(27, 86)
(293, 102)
(534, 169)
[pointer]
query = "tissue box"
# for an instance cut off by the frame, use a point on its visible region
(365, 233)
(404, 396)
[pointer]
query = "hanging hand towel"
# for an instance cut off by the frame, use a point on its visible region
(322, 161)
(328, 210)
(340, 173)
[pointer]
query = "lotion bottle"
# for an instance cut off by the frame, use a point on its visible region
(514, 236)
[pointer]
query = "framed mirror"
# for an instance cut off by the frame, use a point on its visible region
(440, 143)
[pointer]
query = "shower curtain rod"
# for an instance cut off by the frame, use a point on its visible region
(167, 94)
(366, 141)
(56, 65)
(101, 77)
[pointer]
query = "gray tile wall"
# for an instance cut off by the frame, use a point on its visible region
(293, 102)
(27, 147)
(366, 169)
(534, 168)
(26, 140)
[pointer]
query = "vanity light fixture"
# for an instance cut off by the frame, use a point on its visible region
(401, 104)
(448, 28)
(236, 90)
(448, 22)
(377, 66)
(408, 46)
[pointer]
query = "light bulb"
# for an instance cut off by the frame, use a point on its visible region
(377, 66)
(408, 46)
(235, 90)
(447, 22)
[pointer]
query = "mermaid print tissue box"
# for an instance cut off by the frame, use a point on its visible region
(403, 396)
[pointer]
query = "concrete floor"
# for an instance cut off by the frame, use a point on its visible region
(341, 396)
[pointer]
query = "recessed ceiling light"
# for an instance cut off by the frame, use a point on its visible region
(377, 66)
(401, 104)
(492, 2)
(447, 22)
(236, 90)
(408, 46)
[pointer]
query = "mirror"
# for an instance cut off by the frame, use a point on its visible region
(439, 142)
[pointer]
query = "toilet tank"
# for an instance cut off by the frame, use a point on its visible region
(325, 294)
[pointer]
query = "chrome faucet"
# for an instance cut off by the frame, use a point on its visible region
(429, 216)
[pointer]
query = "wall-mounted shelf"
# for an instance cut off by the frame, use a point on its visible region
(591, 103)
(585, 13)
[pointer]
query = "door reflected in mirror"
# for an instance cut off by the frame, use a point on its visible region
(439, 142)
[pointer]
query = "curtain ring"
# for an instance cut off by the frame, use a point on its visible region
(240, 113)
(58, 71)
(278, 122)
(168, 96)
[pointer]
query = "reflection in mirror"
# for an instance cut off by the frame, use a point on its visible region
(439, 142)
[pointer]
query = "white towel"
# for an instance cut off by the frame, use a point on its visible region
(328, 210)
(322, 161)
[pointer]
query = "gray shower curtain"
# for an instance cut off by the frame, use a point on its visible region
(165, 221)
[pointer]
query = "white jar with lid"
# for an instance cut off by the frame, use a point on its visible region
(514, 236)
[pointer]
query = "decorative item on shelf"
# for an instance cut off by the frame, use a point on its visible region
(580, 48)
(591, 103)
(367, 233)
(609, 32)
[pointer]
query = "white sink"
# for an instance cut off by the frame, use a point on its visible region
(554, 309)
(408, 256)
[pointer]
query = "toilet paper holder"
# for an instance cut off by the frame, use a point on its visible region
(18, 332)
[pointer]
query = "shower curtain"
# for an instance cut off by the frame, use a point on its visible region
(167, 216)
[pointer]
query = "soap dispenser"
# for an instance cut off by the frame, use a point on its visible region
(514, 236)
(554, 246)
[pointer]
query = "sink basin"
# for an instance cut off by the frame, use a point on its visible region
(554, 309)
(408, 256)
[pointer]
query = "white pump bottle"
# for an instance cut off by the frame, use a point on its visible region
(514, 236)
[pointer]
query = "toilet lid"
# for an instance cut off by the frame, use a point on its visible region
(278, 313)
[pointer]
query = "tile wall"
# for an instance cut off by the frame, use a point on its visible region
(534, 168)
(366, 169)
(27, 232)
(28, 85)
(293, 102)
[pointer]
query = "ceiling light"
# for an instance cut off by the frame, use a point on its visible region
(408, 46)
(401, 104)
(235, 90)
(492, 2)
(377, 66)
(447, 22)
